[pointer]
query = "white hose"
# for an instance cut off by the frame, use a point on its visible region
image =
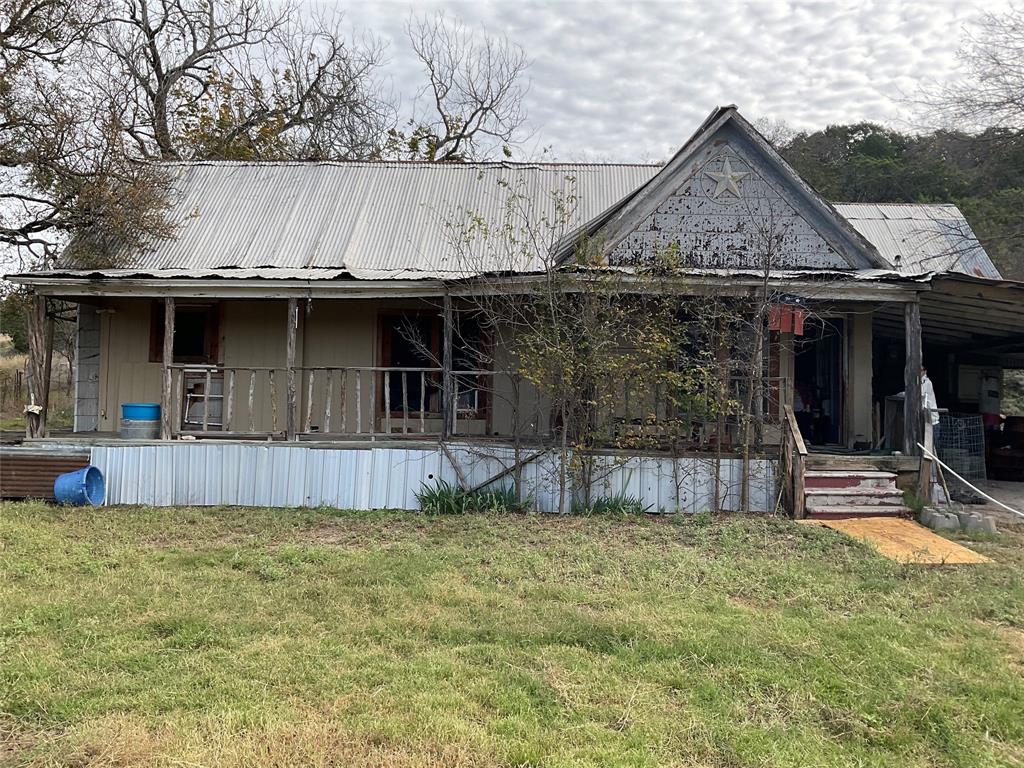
(968, 484)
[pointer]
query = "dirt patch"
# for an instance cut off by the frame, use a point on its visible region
(14, 741)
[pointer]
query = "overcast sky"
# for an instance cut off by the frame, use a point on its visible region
(618, 81)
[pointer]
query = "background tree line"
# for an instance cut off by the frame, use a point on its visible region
(982, 173)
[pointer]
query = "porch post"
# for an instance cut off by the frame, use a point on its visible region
(291, 413)
(166, 358)
(447, 380)
(912, 379)
(40, 358)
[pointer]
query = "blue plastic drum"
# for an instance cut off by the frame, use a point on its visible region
(140, 411)
(81, 487)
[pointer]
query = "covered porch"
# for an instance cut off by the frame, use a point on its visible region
(273, 359)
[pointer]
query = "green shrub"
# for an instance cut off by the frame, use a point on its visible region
(443, 498)
(618, 504)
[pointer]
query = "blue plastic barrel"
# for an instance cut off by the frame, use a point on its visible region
(81, 487)
(140, 411)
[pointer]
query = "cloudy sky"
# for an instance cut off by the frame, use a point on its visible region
(621, 81)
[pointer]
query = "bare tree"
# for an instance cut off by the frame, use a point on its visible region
(65, 170)
(472, 105)
(991, 92)
(242, 78)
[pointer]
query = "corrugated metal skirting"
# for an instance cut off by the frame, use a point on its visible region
(29, 474)
(208, 474)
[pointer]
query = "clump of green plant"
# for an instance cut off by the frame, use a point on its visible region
(620, 503)
(914, 502)
(444, 498)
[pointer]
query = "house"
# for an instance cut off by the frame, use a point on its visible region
(277, 319)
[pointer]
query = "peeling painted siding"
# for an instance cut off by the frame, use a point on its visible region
(728, 231)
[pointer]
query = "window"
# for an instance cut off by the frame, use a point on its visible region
(196, 333)
(415, 340)
(412, 341)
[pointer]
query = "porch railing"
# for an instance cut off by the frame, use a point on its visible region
(793, 464)
(329, 402)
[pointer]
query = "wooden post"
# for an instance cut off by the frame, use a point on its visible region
(912, 422)
(273, 400)
(167, 404)
(40, 357)
(359, 402)
(47, 371)
(252, 398)
(327, 401)
(308, 423)
(291, 414)
(405, 403)
(229, 405)
(447, 380)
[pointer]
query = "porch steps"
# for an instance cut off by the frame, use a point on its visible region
(858, 462)
(835, 494)
(837, 478)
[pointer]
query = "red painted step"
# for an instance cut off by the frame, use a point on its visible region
(819, 478)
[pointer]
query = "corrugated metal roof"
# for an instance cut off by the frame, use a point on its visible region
(374, 220)
(393, 220)
(919, 238)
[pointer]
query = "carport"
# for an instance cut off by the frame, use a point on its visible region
(972, 333)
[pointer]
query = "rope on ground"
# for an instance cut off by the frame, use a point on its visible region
(967, 483)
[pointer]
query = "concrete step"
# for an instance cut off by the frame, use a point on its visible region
(832, 478)
(839, 512)
(853, 497)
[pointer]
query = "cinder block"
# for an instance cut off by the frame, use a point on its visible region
(974, 523)
(926, 516)
(941, 521)
(965, 517)
(988, 525)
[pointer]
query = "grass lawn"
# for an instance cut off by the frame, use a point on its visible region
(231, 637)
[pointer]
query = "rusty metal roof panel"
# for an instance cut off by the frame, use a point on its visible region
(921, 238)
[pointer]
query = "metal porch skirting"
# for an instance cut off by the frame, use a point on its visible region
(216, 473)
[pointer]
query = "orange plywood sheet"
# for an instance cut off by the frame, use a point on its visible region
(904, 541)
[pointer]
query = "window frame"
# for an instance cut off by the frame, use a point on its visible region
(384, 318)
(211, 340)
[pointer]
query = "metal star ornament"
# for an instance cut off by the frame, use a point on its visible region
(727, 180)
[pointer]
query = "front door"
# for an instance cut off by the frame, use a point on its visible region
(818, 376)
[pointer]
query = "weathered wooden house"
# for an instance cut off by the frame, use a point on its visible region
(269, 329)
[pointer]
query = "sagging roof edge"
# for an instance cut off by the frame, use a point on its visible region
(867, 285)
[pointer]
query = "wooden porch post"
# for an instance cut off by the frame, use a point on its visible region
(447, 380)
(166, 358)
(40, 358)
(291, 412)
(912, 423)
